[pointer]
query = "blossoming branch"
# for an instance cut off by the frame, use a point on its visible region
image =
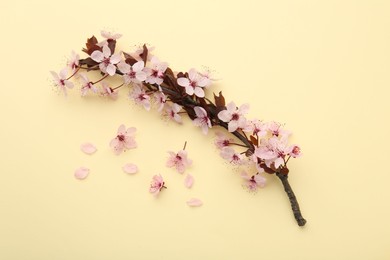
(153, 83)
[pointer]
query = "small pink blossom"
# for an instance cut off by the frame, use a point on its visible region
(234, 116)
(61, 80)
(189, 181)
(86, 85)
(140, 97)
(296, 151)
(222, 140)
(256, 127)
(110, 35)
(173, 112)
(88, 148)
(193, 202)
(132, 74)
(202, 119)
(254, 181)
(276, 129)
(108, 91)
(155, 74)
(160, 99)
(106, 60)
(140, 49)
(156, 185)
(81, 173)
(232, 156)
(207, 77)
(274, 151)
(73, 61)
(179, 161)
(124, 139)
(194, 83)
(130, 168)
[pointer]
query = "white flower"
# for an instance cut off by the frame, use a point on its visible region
(202, 119)
(234, 116)
(106, 60)
(132, 74)
(194, 83)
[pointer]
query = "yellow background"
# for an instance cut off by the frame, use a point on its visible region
(320, 67)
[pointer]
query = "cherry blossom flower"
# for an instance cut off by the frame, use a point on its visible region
(157, 185)
(73, 61)
(160, 99)
(81, 173)
(108, 91)
(296, 151)
(276, 129)
(86, 85)
(106, 60)
(202, 119)
(222, 140)
(140, 49)
(193, 202)
(234, 116)
(254, 181)
(88, 148)
(194, 83)
(130, 168)
(61, 80)
(110, 35)
(172, 112)
(189, 181)
(207, 77)
(256, 127)
(140, 97)
(273, 150)
(124, 139)
(132, 74)
(155, 74)
(232, 156)
(179, 161)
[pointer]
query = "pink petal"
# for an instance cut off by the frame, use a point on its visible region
(97, 56)
(130, 168)
(194, 202)
(199, 92)
(189, 181)
(184, 82)
(88, 148)
(81, 173)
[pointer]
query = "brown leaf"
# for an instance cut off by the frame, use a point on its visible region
(91, 45)
(254, 140)
(219, 100)
(111, 45)
(144, 54)
(284, 171)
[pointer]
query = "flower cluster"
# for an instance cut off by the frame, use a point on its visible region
(152, 82)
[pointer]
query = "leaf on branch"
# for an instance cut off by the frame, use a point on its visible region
(91, 46)
(254, 140)
(89, 62)
(267, 169)
(144, 54)
(284, 171)
(111, 45)
(129, 59)
(219, 100)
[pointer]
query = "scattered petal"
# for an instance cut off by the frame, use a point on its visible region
(81, 173)
(130, 168)
(189, 181)
(88, 148)
(194, 202)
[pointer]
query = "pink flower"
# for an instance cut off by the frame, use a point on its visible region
(274, 151)
(232, 156)
(222, 140)
(256, 127)
(110, 35)
(155, 74)
(61, 80)
(73, 61)
(132, 74)
(108, 91)
(296, 151)
(194, 83)
(275, 129)
(234, 116)
(179, 161)
(202, 119)
(172, 112)
(156, 185)
(254, 181)
(106, 60)
(140, 97)
(124, 139)
(160, 99)
(86, 85)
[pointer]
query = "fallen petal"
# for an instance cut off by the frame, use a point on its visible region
(194, 202)
(130, 168)
(81, 173)
(88, 148)
(189, 181)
